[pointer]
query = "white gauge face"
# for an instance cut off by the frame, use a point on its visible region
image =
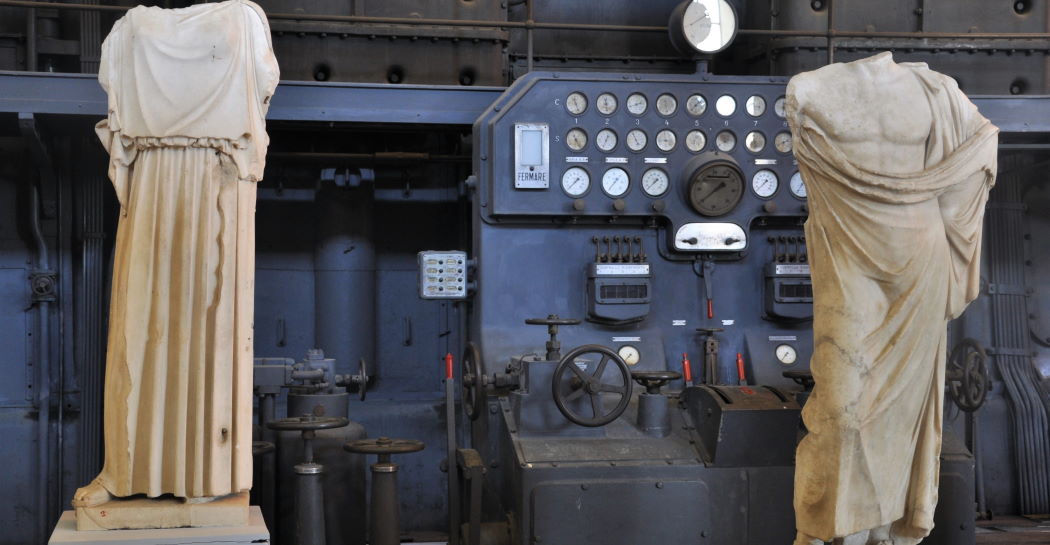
(637, 104)
(755, 106)
(575, 182)
(615, 182)
(778, 107)
(709, 25)
(695, 140)
(755, 141)
(655, 182)
(636, 140)
(666, 105)
(786, 354)
(725, 141)
(576, 103)
(666, 140)
(606, 103)
(764, 183)
(606, 140)
(576, 139)
(629, 354)
(696, 105)
(798, 187)
(725, 105)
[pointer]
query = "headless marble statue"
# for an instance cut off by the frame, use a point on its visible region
(898, 164)
(188, 92)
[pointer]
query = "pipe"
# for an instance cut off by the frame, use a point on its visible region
(44, 372)
(31, 64)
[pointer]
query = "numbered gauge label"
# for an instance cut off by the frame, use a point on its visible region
(779, 107)
(606, 103)
(637, 104)
(725, 105)
(616, 182)
(605, 140)
(576, 139)
(666, 105)
(576, 182)
(765, 183)
(636, 140)
(696, 105)
(797, 186)
(782, 142)
(655, 182)
(755, 106)
(695, 140)
(576, 103)
(666, 140)
(725, 141)
(708, 237)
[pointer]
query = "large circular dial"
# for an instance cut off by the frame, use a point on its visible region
(575, 182)
(797, 186)
(696, 105)
(695, 140)
(715, 188)
(702, 26)
(576, 139)
(605, 140)
(636, 140)
(786, 354)
(629, 354)
(616, 182)
(637, 104)
(655, 182)
(764, 183)
(606, 103)
(576, 103)
(666, 140)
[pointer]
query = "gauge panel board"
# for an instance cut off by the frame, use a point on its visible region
(540, 97)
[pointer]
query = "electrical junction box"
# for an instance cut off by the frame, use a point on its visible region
(789, 291)
(618, 292)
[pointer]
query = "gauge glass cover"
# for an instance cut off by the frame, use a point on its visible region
(605, 140)
(765, 183)
(755, 106)
(637, 104)
(709, 25)
(755, 141)
(576, 103)
(725, 141)
(716, 189)
(575, 182)
(655, 182)
(725, 105)
(797, 186)
(778, 107)
(636, 140)
(696, 105)
(782, 142)
(666, 104)
(615, 182)
(606, 103)
(786, 354)
(666, 140)
(629, 354)
(695, 140)
(576, 139)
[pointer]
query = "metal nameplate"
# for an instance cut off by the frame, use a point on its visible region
(765, 161)
(576, 159)
(622, 269)
(656, 160)
(531, 156)
(616, 160)
(791, 269)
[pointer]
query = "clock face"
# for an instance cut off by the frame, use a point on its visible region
(708, 26)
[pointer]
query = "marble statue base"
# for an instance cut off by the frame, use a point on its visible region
(144, 513)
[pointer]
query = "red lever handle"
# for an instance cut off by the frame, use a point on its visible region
(448, 365)
(710, 309)
(687, 369)
(740, 368)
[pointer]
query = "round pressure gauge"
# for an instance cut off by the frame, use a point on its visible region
(696, 105)
(636, 140)
(778, 107)
(576, 139)
(764, 183)
(797, 186)
(755, 141)
(725, 105)
(666, 140)
(576, 103)
(666, 104)
(576, 182)
(782, 142)
(655, 182)
(695, 140)
(715, 188)
(702, 26)
(629, 354)
(637, 104)
(615, 182)
(725, 141)
(606, 140)
(606, 103)
(755, 106)
(786, 354)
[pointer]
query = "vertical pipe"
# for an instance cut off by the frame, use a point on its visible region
(309, 504)
(528, 31)
(385, 516)
(43, 308)
(31, 64)
(831, 31)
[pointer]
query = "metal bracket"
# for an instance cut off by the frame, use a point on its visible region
(44, 285)
(1007, 289)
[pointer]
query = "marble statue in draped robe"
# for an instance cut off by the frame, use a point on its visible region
(188, 90)
(897, 164)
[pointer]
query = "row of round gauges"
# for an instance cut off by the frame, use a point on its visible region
(667, 105)
(666, 140)
(616, 182)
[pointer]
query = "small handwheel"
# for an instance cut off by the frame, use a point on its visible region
(307, 423)
(362, 373)
(590, 384)
(652, 381)
(472, 379)
(967, 375)
(552, 319)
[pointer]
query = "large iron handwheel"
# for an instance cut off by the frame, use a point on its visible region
(570, 383)
(967, 375)
(472, 379)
